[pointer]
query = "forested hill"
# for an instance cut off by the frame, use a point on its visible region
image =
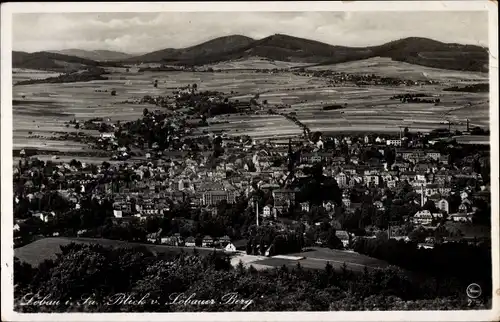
(420, 51)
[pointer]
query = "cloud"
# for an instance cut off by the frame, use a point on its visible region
(142, 32)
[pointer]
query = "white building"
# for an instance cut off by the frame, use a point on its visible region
(393, 142)
(305, 206)
(423, 217)
(443, 205)
(230, 247)
(107, 135)
(341, 179)
(267, 210)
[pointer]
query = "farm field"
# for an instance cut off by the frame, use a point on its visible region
(253, 63)
(387, 67)
(21, 74)
(44, 108)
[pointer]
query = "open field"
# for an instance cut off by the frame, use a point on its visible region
(319, 257)
(48, 248)
(387, 67)
(254, 63)
(21, 74)
(44, 108)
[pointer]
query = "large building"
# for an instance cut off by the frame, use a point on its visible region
(393, 142)
(283, 199)
(341, 179)
(213, 198)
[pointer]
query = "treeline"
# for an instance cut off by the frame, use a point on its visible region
(160, 69)
(97, 273)
(84, 76)
(474, 88)
(414, 98)
(332, 107)
(465, 263)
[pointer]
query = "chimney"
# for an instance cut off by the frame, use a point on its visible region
(257, 212)
(422, 196)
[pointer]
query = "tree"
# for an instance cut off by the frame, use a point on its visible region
(332, 241)
(431, 206)
(145, 112)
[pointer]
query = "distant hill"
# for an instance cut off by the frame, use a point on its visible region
(97, 55)
(420, 51)
(44, 60)
(219, 47)
(431, 53)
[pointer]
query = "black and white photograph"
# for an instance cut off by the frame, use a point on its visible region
(256, 158)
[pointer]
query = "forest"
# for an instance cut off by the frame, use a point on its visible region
(84, 278)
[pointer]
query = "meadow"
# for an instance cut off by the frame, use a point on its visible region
(48, 248)
(42, 109)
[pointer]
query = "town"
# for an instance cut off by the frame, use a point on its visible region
(165, 185)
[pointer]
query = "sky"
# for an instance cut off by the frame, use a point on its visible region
(145, 32)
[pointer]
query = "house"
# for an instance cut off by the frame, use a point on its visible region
(461, 217)
(207, 241)
(180, 240)
(328, 205)
(431, 189)
(225, 240)
(230, 247)
(305, 206)
(350, 169)
(45, 217)
(444, 190)
(423, 217)
(434, 155)
(107, 135)
(171, 240)
(283, 198)
(464, 208)
(344, 237)
(437, 215)
(213, 198)
(443, 205)
(371, 180)
(190, 242)
(346, 202)
(379, 205)
(154, 237)
(341, 179)
(393, 142)
(267, 211)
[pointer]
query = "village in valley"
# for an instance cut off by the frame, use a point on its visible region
(164, 185)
